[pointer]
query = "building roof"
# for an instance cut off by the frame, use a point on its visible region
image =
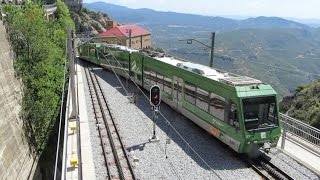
(123, 30)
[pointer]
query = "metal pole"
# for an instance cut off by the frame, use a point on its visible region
(154, 138)
(284, 133)
(129, 38)
(154, 124)
(141, 42)
(72, 73)
(212, 49)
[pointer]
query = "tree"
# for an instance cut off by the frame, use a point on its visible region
(39, 45)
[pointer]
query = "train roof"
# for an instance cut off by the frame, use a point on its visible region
(214, 74)
(217, 75)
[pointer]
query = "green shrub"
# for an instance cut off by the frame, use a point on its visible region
(39, 45)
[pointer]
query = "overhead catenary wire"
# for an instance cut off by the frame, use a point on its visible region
(280, 68)
(211, 169)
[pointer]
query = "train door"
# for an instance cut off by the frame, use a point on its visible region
(233, 128)
(177, 91)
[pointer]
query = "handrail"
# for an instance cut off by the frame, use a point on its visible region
(65, 138)
(49, 6)
(301, 129)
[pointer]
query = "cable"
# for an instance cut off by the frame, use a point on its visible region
(159, 111)
(188, 143)
(167, 133)
(281, 68)
(62, 102)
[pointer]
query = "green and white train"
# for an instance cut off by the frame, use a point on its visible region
(241, 112)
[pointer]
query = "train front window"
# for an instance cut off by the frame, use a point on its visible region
(260, 113)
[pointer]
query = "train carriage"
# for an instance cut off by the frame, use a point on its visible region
(240, 111)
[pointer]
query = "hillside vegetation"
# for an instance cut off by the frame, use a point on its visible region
(304, 104)
(39, 45)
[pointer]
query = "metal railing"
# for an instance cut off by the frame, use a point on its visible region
(49, 6)
(300, 129)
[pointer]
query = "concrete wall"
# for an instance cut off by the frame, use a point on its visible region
(16, 159)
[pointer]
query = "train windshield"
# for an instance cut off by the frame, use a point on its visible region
(260, 113)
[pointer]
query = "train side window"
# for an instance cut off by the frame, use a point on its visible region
(153, 77)
(233, 114)
(160, 80)
(217, 106)
(190, 93)
(272, 113)
(147, 75)
(92, 52)
(202, 99)
(167, 85)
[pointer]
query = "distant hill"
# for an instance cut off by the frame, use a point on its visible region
(281, 52)
(148, 16)
(282, 57)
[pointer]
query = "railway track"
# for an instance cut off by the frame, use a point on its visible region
(114, 152)
(266, 169)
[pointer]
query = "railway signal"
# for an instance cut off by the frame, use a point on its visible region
(155, 99)
(155, 95)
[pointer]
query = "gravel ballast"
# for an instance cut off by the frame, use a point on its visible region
(172, 157)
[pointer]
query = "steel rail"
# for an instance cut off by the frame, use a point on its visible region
(116, 130)
(97, 87)
(92, 94)
(115, 154)
(266, 169)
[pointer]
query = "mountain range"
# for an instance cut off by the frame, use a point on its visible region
(278, 51)
(149, 16)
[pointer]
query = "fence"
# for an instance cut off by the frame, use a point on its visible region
(300, 129)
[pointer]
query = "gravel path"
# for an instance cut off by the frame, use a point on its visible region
(171, 158)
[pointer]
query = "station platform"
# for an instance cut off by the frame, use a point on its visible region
(73, 156)
(302, 151)
(88, 170)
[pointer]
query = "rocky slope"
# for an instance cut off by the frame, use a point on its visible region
(90, 22)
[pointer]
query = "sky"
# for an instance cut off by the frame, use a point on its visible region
(301, 9)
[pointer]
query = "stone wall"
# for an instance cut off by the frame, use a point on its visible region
(16, 159)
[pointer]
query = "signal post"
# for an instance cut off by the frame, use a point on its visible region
(155, 99)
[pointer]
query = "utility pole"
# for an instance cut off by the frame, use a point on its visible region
(189, 41)
(72, 74)
(141, 42)
(130, 38)
(212, 49)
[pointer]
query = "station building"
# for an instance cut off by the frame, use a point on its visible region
(120, 35)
